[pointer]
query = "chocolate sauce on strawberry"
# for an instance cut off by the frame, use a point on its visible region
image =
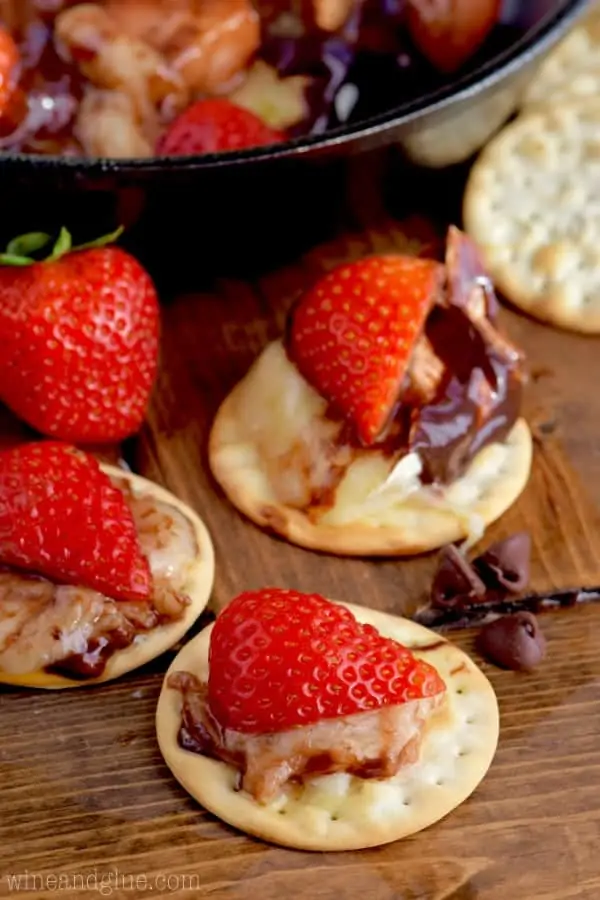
(478, 398)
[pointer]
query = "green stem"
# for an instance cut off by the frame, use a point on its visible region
(19, 252)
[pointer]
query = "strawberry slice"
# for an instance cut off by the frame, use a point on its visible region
(353, 333)
(449, 32)
(279, 659)
(61, 517)
(215, 126)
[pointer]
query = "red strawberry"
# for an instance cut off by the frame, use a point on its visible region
(79, 338)
(353, 333)
(215, 126)
(9, 61)
(61, 517)
(448, 32)
(279, 659)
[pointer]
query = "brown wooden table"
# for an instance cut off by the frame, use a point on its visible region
(87, 807)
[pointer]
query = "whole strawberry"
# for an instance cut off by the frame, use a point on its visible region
(352, 335)
(79, 338)
(279, 658)
(61, 517)
(215, 126)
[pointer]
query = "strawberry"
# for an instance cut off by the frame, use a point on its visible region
(9, 63)
(448, 32)
(215, 126)
(353, 333)
(79, 337)
(280, 658)
(61, 517)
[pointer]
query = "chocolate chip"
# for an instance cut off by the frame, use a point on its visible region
(513, 642)
(455, 582)
(505, 564)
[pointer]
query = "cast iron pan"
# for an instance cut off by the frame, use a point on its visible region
(253, 203)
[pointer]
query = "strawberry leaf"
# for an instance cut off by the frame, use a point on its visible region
(101, 241)
(26, 244)
(20, 250)
(7, 259)
(63, 245)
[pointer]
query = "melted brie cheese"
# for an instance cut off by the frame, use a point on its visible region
(297, 445)
(42, 623)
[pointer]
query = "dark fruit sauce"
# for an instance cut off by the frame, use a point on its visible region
(370, 66)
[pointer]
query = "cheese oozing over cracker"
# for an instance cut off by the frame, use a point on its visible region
(296, 449)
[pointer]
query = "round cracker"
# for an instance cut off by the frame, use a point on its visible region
(491, 484)
(342, 812)
(147, 646)
(571, 70)
(532, 204)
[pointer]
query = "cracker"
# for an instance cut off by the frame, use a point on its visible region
(532, 203)
(146, 647)
(342, 812)
(571, 70)
(362, 522)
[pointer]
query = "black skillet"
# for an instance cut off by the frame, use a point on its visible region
(250, 203)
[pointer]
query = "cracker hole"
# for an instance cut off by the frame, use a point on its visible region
(406, 802)
(460, 691)
(462, 752)
(470, 720)
(282, 812)
(335, 818)
(439, 782)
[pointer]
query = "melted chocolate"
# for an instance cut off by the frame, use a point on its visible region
(92, 663)
(199, 731)
(477, 403)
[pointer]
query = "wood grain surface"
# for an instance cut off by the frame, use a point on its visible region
(85, 794)
(87, 807)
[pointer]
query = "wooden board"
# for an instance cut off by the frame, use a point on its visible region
(87, 806)
(86, 796)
